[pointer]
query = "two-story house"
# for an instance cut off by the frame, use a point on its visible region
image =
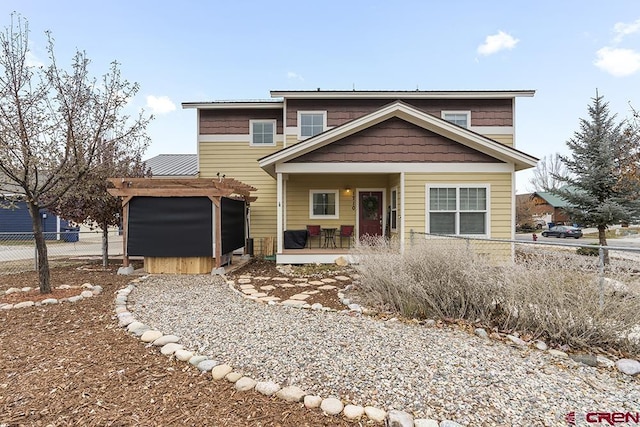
(385, 162)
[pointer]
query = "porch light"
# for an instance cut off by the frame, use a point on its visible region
(348, 189)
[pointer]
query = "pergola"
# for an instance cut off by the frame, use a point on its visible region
(215, 189)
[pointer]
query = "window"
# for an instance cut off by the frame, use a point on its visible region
(262, 132)
(323, 204)
(394, 209)
(311, 123)
(460, 118)
(457, 210)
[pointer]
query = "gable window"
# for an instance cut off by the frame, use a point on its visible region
(460, 118)
(262, 132)
(394, 209)
(458, 210)
(311, 123)
(323, 204)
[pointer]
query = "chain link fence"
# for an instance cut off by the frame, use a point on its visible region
(18, 250)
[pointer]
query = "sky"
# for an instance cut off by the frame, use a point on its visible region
(197, 51)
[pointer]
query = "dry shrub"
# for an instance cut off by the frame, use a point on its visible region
(555, 296)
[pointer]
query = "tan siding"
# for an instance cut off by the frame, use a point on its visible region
(503, 139)
(500, 190)
(239, 161)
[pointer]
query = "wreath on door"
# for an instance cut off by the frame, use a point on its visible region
(370, 204)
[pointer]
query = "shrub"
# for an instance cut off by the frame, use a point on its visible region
(588, 251)
(533, 295)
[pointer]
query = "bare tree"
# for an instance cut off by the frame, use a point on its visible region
(545, 173)
(53, 123)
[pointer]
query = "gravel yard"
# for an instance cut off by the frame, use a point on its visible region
(433, 372)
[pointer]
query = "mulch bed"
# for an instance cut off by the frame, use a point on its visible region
(69, 364)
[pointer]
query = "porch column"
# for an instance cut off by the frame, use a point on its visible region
(280, 216)
(401, 209)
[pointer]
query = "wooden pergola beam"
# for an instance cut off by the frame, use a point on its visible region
(169, 192)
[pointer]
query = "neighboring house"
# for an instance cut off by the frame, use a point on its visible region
(15, 218)
(386, 162)
(173, 166)
(549, 207)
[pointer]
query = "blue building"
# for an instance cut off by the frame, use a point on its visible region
(16, 219)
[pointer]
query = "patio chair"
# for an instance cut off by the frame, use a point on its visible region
(346, 232)
(313, 231)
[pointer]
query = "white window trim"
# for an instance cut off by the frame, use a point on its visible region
(392, 208)
(251, 122)
(487, 226)
(324, 122)
(337, 198)
(463, 112)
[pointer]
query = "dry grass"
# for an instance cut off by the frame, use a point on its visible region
(551, 295)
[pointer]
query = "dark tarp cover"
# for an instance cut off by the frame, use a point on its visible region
(295, 239)
(170, 227)
(232, 221)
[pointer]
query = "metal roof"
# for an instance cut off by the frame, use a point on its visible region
(553, 200)
(173, 165)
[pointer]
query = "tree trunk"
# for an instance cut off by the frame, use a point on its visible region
(41, 249)
(602, 241)
(105, 245)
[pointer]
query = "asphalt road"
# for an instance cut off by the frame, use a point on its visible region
(621, 242)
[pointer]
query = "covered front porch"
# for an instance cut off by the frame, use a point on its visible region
(322, 215)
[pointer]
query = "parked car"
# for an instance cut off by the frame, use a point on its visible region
(563, 231)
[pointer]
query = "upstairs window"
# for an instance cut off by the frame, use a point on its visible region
(311, 123)
(460, 118)
(262, 132)
(458, 210)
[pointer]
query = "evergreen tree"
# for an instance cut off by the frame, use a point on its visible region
(597, 185)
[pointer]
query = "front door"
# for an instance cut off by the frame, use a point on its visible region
(370, 213)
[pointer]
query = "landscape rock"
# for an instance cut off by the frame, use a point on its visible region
(206, 365)
(183, 355)
(312, 401)
(268, 388)
(541, 345)
(86, 294)
(245, 384)
(125, 270)
(342, 261)
(481, 333)
(375, 414)
(447, 423)
(220, 371)
(606, 362)
(558, 353)
(291, 393)
(97, 289)
(232, 377)
(14, 290)
(150, 336)
(171, 348)
(397, 418)
(76, 298)
(135, 326)
(332, 406)
(353, 412)
(49, 301)
(26, 289)
(195, 360)
(126, 320)
(24, 304)
(166, 339)
(628, 366)
(517, 341)
(426, 423)
(6, 306)
(585, 359)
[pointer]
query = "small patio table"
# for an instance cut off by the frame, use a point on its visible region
(329, 237)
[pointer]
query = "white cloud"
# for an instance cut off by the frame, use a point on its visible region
(160, 104)
(497, 42)
(292, 75)
(622, 29)
(618, 62)
(32, 61)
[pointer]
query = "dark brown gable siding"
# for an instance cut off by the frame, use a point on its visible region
(235, 122)
(484, 112)
(396, 141)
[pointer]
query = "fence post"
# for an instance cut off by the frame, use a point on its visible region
(411, 237)
(601, 276)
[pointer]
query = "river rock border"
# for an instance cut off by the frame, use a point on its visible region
(87, 291)
(169, 346)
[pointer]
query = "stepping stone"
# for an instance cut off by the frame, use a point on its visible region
(267, 299)
(342, 278)
(332, 406)
(287, 285)
(316, 283)
(311, 292)
(299, 297)
(244, 281)
(249, 291)
(300, 279)
(328, 280)
(247, 287)
(150, 336)
(267, 388)
(245, 384)
(259, 295)
(295, 303)
(303, 285)
(262, 278)
(326, 287)
(221, 371)
(267, 288)
(280, 279)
